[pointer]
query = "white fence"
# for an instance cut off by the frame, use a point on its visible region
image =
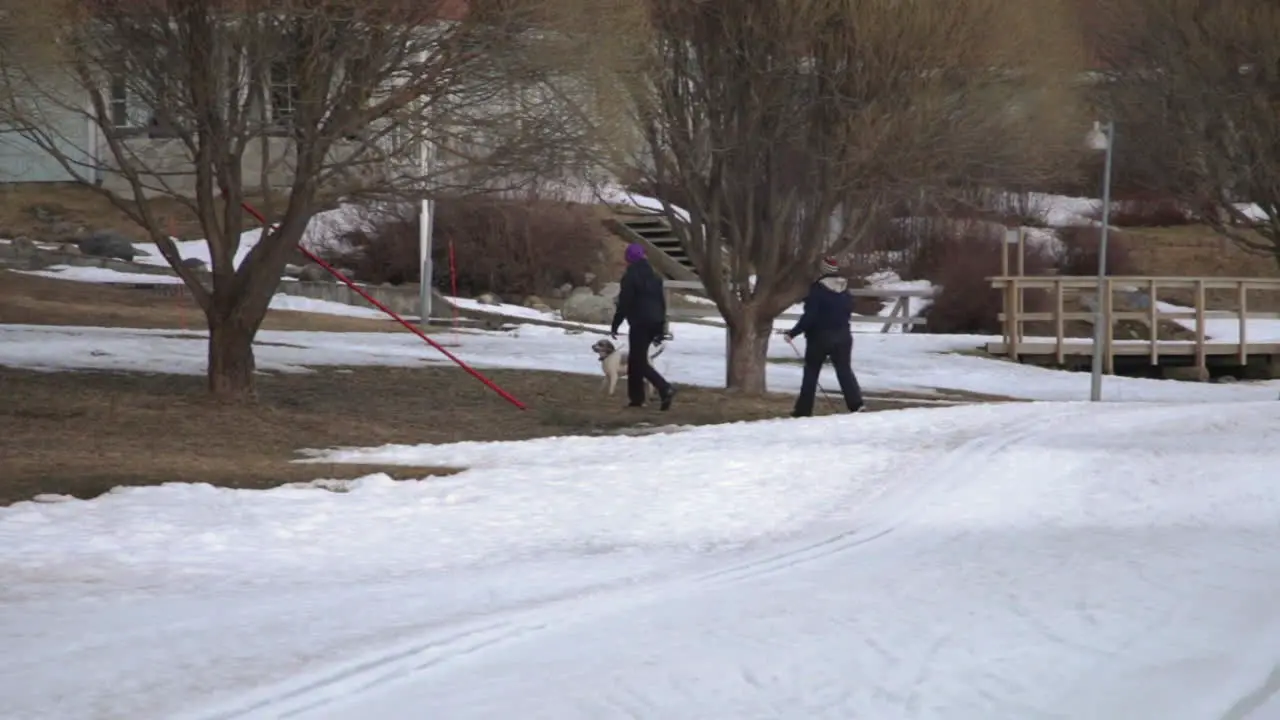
(900, 314)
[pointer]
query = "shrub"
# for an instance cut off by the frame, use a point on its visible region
(1007, 207)
(1148, 212)
(381, 249)
(959, 256)
(1080, 252)
(669, 192)
(512, 248)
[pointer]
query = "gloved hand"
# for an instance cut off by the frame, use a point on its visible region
(666, 336)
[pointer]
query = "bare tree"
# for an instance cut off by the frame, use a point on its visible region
(1197, 85)
(205, 101)
(792, 127)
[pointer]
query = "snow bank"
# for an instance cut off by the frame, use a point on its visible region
(1028, 560)
(102, 275)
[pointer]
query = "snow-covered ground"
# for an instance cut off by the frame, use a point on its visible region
(1104, 561)
(884, 363)
(1257, 330)
(1107, 561)
(325, 230)
(75, 273)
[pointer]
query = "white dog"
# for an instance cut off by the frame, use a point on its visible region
(613, 361)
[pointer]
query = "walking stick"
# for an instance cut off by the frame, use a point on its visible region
(792, 343)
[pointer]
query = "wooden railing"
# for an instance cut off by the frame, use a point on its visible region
(900, 314)
(1142, 291)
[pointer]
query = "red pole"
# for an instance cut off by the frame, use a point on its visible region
(415, 330)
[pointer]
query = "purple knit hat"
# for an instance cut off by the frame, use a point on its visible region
(635, 251)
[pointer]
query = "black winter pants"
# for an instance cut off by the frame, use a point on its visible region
(818, 348)
(639, 370)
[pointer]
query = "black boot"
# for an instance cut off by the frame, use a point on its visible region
(666, 398)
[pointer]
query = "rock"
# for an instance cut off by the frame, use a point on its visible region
(489, 299)
(108, 244)
(610, 290)
(46, 212)
(23, 246)
(562, 292)
(193, 263)
(67, 229)
(533, 301)
(69, 248)
(291, 270)
(589, 279)
(591, 309)
(312, 272)
(581, 291)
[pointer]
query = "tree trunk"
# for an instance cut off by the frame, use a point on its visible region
(231, 364)
(748, 355)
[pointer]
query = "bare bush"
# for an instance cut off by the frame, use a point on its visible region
(382, 249)
(1006, 207)
(1080, 246)
(512, 248)
(1148, 210)
(958, 258)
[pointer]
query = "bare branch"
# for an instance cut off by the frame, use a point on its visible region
(209, 100)
(790, 128)
(1200, 81)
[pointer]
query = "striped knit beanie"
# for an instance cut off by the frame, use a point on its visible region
(830, 266)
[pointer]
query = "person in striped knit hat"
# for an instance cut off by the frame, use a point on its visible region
(825, 326)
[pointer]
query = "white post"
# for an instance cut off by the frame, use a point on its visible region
(424, 257)
(424, 238)
(1100, 319)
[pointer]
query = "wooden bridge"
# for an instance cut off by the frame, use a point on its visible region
(1138, 300)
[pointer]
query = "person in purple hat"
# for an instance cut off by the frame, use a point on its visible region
(643, 304)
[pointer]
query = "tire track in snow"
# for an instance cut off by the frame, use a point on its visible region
(920, 484)
(298, 697)
(917, 490)
(455, 640)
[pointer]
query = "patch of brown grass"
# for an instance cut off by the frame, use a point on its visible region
(83, 433)
(35, 300)
(26, 207)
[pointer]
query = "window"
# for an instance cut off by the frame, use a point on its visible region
(124, 110)
(283, 91)
(119, 103)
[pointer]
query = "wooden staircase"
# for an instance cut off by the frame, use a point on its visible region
(651, 229)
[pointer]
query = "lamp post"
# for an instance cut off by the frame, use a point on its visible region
(1102, 137)
(425, 222)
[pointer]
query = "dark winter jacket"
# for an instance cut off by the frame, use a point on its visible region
(827, 309)
(641, 301)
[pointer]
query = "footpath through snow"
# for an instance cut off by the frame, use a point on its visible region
(884, 363)
(1015, 561)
